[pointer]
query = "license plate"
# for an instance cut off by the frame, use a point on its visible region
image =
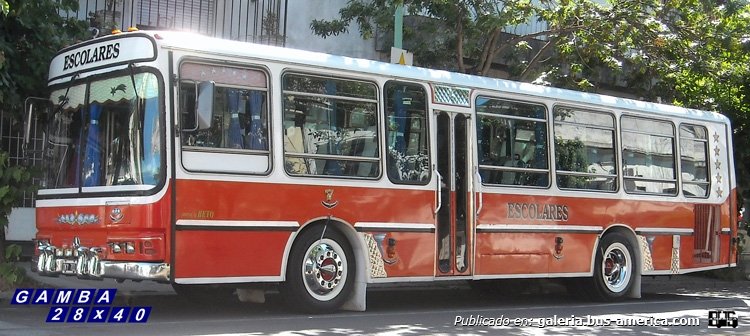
(69, 267)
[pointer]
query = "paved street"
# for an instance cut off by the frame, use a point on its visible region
(543, 308)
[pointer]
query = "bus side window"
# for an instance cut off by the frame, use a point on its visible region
(694, 165)
(407, 145)
(648, 155)
(585, 149)
(239, 122)
(187, 108)
(330, 126)
(240, 115)
(512, 143)
(239, 119)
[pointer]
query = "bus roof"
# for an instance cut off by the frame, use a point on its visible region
(237, 49)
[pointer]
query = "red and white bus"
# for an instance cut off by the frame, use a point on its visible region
(198, 161)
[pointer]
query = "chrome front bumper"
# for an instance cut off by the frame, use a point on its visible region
(85, 263)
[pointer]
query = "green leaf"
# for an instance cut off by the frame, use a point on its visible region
(4, 7)
(4, 191)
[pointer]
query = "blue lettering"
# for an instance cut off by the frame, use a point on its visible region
(43, 296)
(140, 314)
(78, 314)
(119, 315)
(84, 296)
(57, 314)
(105, 296)
(21, 296)
(63, 296)
(98, 314)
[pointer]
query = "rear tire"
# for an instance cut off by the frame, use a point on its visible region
(320, 271)
(614, 268)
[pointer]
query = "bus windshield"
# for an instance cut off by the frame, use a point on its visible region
(106, 132)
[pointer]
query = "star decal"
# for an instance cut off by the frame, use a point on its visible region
(718, 164)
(717, 151)
(716, 136)
(718, 178)
(719, 191)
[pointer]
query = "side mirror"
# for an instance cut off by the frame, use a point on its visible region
(204, 104)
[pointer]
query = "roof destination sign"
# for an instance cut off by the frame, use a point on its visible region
(91, 55)
(120, 49)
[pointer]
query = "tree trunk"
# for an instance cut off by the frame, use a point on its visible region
(2, 244)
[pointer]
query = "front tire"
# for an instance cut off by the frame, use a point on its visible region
(614, 268)
(320, 271)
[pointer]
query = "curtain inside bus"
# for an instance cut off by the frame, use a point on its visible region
(255, 137)
(92, 159)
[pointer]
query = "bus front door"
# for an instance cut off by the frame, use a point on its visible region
(454, 202)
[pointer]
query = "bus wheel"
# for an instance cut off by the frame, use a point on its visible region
(320, 271)
(614, 268)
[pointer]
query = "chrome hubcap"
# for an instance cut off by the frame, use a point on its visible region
(324, 269)
(616, 267)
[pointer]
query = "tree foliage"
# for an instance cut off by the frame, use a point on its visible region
(14, 181)
(693, 53)
(31, 32)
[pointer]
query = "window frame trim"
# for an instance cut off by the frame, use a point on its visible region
(378, 106)
(707, 142)
(428, 131)
(675, 144)
(269, 110)
(615, 146)
(161, 77)
(548, 154)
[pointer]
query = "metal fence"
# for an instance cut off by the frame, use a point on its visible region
(11, 140)
(259, 21)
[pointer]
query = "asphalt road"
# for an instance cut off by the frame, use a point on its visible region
(543, 308)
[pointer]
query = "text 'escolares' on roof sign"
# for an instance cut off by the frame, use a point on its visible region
(100, 53)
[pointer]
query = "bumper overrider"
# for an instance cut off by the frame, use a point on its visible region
(86, 263)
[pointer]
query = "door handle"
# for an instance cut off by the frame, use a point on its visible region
(479, 189)
(439, 190)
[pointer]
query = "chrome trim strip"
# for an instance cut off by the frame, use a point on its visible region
(402, 279)
(140, 187)
(59, 191)
(519, 228)
(408, 227)
(659, 272)
(238, 223)
(664, 231)
(537, 275)
(211, 280)
(707, 268)
(135, 270)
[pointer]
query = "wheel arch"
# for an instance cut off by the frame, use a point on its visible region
(357, 299)
(632, 237)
